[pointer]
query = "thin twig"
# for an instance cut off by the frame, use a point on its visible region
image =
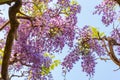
(117, 69)
(27, 18)
(5, 24)
(105, 59)
(22, 74)
(23, 14)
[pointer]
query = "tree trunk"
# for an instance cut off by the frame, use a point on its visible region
(13, 10)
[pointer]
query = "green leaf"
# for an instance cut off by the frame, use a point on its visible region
(39, 8)
(52, 66)
(74, 2)
(45, 70)
(1, 52)
(102, 34)
(0, 62)
(96, 33)
(57, 62)
(66, 11)
(46, 54)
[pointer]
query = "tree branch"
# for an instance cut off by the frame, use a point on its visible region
(111, 53)
(7, 2)
(13, 10)
(118, 1)
(111, 42)
(25, 17)
(28, 18)
(18, 17)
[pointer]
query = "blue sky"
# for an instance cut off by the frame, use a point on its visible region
(103, 70)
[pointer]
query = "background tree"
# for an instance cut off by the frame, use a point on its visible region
(35, 31)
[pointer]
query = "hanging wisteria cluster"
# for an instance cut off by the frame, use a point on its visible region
(86, 48)
(47, 30)
(107, 10)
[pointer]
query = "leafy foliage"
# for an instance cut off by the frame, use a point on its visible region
(96, 33)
